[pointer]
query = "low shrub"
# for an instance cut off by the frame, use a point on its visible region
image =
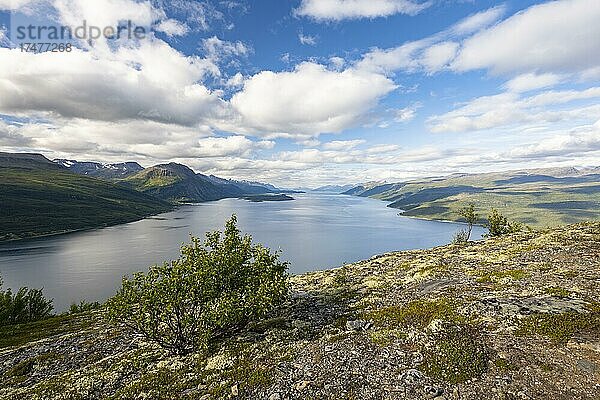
(25, 305)
(213, 289)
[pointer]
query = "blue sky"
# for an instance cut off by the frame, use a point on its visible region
(311, 92)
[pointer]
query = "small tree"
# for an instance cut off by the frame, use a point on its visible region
(462, 236)
(471, 217)
(26, 305)
(212, 289)
(499, 225)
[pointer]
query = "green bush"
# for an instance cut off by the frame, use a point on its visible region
(83, 306)
(499, 225)
(26, 305)
(213, 289)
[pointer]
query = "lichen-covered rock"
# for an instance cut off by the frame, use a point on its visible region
(514, 317)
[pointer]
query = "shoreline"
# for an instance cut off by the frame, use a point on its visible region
(89, 228)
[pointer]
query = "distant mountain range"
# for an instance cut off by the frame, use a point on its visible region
(100, 170)
(41, 197)
(537, 197)
(171, 182)
(333, 188)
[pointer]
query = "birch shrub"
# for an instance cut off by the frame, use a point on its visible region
(213, 289)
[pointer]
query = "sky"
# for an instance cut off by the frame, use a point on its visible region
(309, 92)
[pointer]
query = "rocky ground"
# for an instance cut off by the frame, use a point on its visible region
(508, 318)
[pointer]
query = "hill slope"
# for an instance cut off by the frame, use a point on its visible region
(39, 197)
(178, 183)
(547, 197)
(514, 317)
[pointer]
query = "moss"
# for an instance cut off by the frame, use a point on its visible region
(561, 327)
(496, 276)
(418, 313)
(17, 335)
(569, 274)
(546, 367)
(456, 355)
(557, 291)
(505, 365)
(385, 337)
(20, 372)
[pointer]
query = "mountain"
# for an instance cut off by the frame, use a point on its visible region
(333, 188)
(27, 161)
(178, 183)
(39, 197)
(538, 197)
(248, 187)
(171, 182)
(101, 170)
(369, 190)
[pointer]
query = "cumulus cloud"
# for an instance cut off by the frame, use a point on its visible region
(337, 10)
(510, 108)
(558, 36)
(135, 139)
(152, 81)
(307, 101)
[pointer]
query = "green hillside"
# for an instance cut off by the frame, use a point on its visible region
(177, 183)
(537, 198)
(40, 201)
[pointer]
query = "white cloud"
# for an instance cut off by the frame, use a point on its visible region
(171, 27)
(479, 20)
(307, 39)
(217, 49)
(343, 144)
(337, 10)
(308, 100)
(407, 114)
(532, 81)
(13, 5)
(235, 81)
(151, 81)
(127, 139)
(577, 141)
(438, 56)
(558, 36)
(508, 109)
(432, 53)
(106, 12)
(337, 62)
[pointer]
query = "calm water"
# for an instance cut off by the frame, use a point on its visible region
(316, 231)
